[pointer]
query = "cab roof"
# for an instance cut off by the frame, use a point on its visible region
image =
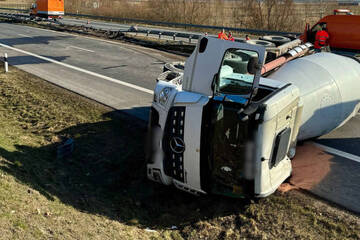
(341, 19)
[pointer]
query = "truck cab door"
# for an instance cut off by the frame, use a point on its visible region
(312, 32)
(202, 68)
(305, 36)
(33, 10)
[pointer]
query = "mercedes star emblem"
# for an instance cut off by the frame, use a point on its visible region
(177, 145)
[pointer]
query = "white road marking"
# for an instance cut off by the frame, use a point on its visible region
(23, 35)
(338, 152)
(82, 49)
(81, 70)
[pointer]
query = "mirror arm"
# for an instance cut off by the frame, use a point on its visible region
(256, 89)
(213, 83)
(251, 108)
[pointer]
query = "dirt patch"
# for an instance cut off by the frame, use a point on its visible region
(310, 166)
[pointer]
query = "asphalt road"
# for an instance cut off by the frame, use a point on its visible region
(73, 56)
(329, 167)
(123, 76)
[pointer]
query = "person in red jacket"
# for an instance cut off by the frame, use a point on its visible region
(222, 35)
(321, 39)
(230, 37)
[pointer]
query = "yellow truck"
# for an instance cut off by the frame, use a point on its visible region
(47, 9)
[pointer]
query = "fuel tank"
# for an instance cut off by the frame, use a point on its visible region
(329, 88)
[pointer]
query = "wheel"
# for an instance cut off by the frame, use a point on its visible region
(174, 67)
(292, 152)
(168, 76)
(264, 43)
(277, 40)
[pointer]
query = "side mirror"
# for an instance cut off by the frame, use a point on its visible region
(253, 65)
(203, 44)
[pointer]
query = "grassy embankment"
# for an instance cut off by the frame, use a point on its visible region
(101, 192)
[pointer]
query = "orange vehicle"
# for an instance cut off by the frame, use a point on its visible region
(343, 28)
(47, 9)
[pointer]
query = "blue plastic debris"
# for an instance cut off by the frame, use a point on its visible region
(65, 149)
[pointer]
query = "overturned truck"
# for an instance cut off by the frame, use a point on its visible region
(230, 124)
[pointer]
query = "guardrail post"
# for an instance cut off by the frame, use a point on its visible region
(6, 63)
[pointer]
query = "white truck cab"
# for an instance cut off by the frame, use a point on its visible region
(222, 128)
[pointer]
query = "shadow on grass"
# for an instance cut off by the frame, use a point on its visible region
(106, 175)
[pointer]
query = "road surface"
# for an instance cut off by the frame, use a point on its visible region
(123, 76)
(97, 69)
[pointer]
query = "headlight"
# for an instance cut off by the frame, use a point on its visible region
(164, 95)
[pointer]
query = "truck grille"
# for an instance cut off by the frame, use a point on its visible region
(173, 143)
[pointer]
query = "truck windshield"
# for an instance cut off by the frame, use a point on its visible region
(234, 77)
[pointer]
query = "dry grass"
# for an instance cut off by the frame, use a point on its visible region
(41, 197)
(280, 15)
(101, 192)
(18, 4)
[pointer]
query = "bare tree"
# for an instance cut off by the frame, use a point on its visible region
(271, 14)
(281, 15)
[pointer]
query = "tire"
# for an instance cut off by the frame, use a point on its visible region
(133, 29)
(264, 43)
(174, 67)
(277, 40)
(168, 76)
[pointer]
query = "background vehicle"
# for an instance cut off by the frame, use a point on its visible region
(47, 9)
(343, 28)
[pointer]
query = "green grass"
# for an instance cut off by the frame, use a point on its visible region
(101, 191)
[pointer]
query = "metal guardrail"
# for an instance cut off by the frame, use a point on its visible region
(173, 24)
(184, 25)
